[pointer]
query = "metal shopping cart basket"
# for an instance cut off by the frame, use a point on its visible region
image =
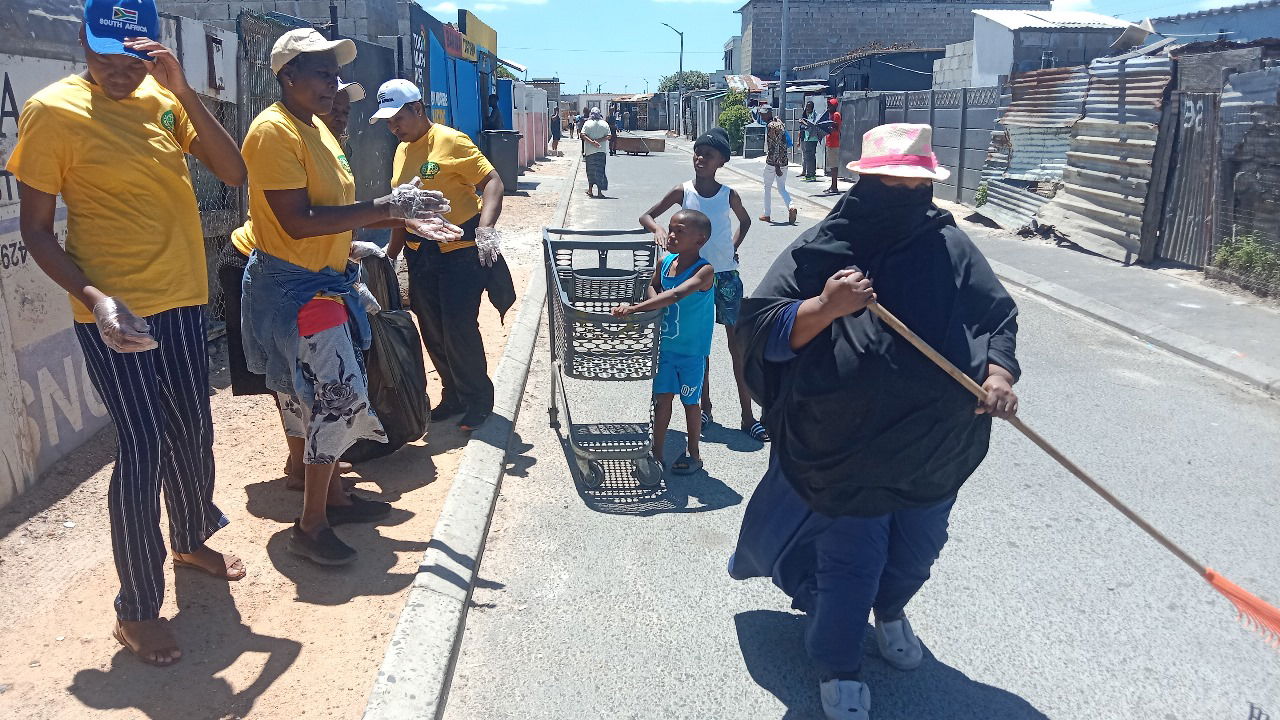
(589, 272)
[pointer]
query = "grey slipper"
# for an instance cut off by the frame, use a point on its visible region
(686, 465)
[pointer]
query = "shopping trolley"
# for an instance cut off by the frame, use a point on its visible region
(589, 272)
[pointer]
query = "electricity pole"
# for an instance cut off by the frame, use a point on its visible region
(680, 83)
(782, 71)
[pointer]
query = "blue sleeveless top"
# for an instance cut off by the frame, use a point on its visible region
(687, 325)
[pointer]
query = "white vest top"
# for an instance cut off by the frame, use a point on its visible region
(719, 248)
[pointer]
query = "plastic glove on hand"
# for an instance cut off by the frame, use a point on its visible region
(367, 300)
(120, 329)
(489, 245)
(361, 250)
(411, 201)
(434, 228)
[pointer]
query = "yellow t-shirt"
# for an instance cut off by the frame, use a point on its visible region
(133, 227)
(284, 153)
(447, 161)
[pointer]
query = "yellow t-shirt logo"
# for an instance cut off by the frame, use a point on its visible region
(168, 120)
(429, 170)
(342, 160)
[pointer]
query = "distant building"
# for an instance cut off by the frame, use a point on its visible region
(552, 86)
(1010, 41)
(733, 55)
(821, 29)
(1241, 23)
(873, 70)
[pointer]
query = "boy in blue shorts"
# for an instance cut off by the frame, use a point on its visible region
(683, 285)
(721, 204)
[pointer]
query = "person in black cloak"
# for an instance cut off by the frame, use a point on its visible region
(871, 441)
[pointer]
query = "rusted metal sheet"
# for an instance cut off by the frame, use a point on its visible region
(1047, 98)
(1010, 206)
(1103, 205)
(1187, 229)
(41, 28)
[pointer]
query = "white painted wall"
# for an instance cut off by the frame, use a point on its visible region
(992, 51)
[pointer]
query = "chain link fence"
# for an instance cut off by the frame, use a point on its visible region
(220, 205)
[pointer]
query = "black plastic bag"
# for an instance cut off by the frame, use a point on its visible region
(395, 367)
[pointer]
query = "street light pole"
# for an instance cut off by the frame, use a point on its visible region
(782, 70)
(679, 84)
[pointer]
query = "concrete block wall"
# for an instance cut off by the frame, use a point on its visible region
(361, 19)
(851, 24)
(955, 70)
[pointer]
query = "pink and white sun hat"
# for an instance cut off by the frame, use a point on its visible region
(899, 150)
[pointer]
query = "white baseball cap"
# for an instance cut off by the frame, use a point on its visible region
(307, 40)
(393, 95)
(355, 91)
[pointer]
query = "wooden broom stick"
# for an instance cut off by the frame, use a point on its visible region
(1253, 611)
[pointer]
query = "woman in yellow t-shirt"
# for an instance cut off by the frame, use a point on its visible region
(447, 279)
(303, 313)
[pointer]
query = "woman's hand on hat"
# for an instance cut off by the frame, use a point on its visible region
(164, 65)
(846, 292)
(1001, 400)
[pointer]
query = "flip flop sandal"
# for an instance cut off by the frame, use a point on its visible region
(178, 563)
(143, 652)
(757, 432)
(686, 465)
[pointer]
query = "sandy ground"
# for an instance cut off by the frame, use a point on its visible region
(292, 639)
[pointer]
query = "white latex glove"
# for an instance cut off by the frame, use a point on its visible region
(410, 201)
(489, 245)
(120, 329)
(434, 228)
(361, 250)
(367, 299)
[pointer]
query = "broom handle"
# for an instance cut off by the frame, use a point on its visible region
(973, 387)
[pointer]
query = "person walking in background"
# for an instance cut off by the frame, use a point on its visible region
(830, 122)
(682, 284)
(812, 135)
(775, 165)
(720, 204)
(594, 132)
(231, 264)
(555, 132)
(448, 279)
(112, 141)
(614, 121)
(871, 442)
(303, 315)
(573, 124)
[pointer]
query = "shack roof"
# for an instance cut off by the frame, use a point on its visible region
(1052, 20)
(1228, 10)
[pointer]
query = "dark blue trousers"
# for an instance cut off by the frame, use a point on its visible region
(159, 401)
(866, 563)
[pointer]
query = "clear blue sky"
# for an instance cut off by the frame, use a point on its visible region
(618, 44)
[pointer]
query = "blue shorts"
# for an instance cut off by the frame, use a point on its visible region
(728, 289)
(681, 375)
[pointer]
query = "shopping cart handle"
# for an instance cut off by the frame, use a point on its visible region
(598, 232)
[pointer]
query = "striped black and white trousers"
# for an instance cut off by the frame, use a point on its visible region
(159, 400)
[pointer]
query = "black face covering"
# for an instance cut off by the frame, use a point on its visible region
(862, 422)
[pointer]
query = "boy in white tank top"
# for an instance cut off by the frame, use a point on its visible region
(720, 203)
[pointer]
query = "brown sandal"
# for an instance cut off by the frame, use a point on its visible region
(224, 575)
(151, 646)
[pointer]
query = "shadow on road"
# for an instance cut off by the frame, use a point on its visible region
(213, 638)
(772, 645)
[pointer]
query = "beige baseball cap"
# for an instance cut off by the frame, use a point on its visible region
(307, 40)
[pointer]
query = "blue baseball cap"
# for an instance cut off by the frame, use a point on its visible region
(108, 22)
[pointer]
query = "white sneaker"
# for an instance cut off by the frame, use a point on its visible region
(899, 646)
(845, 700)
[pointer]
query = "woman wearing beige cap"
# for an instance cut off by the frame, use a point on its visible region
(303, 316)
(851, 516)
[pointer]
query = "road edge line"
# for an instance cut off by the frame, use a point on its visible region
(417, 670)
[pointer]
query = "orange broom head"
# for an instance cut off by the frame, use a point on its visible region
(1253, 612)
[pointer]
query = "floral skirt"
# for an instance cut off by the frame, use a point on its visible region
(331, 409)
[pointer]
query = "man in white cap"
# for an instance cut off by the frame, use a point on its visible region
(112, 141)
(594, 152)
(851, 515)
(447, 279)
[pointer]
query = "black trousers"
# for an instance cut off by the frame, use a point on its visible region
(445, 290)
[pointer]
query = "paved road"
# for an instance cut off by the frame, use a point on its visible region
(615, 603)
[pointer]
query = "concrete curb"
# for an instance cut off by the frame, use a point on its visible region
(1215, 357)
(413, 682)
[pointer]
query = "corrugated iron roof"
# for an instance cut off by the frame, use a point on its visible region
(1129, 90)
(1047, 98)
(1220, 11)
(744, 83)
(1052, 20)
